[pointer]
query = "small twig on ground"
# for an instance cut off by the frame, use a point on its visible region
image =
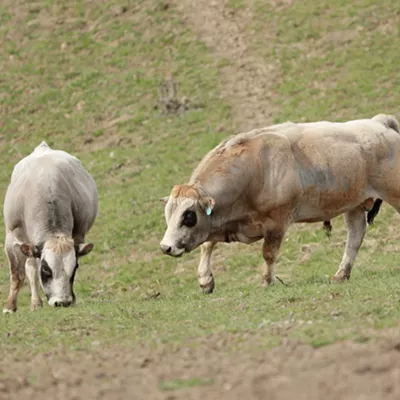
(280, 280)
(153, 296)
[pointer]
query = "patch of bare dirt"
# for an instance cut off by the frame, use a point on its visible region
(345, 370)
(246, 80)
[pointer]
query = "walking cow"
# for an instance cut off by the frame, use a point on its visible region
(50, 205)
(254, 185)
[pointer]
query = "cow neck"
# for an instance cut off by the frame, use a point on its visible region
(218, 220)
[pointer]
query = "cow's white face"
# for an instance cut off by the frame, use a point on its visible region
(56, 271)
(56, 275)
(188, 225)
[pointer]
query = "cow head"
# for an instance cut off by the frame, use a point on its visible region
(57, 261)
(188, 215)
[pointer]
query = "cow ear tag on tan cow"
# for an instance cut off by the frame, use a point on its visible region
(208, 211)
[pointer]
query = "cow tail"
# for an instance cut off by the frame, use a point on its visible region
(374, 211)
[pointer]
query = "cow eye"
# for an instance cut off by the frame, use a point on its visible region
(189, 219)
(45, 271)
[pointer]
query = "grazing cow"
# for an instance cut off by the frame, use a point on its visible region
(50, 205)
(254, 185)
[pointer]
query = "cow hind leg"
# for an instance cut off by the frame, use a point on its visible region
(356, 227)
(31, 270)
(17, 276)
(271, 245)
(204, 274)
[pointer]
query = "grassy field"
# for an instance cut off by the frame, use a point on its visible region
(85, 76)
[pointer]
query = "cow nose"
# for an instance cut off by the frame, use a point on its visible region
(166, 249)
(65, 303)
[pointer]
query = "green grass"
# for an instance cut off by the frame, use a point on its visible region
(85, 76)
(336, 59)
(308, 306)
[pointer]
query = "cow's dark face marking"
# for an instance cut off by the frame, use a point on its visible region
(189, 218)
(46, 274)
(71, 281)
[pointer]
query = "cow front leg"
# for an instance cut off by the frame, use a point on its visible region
(356, 227)
(204, 274)
(32, 273)
(17, 276)
(271, 245)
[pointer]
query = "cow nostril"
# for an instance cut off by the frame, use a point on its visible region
(166, 249)
(62, 303)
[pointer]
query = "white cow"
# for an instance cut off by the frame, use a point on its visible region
(50, 205)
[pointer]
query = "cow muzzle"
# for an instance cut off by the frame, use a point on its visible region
(58, 302)
(172, 251)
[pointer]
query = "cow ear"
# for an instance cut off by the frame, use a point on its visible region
(31, 251)
(164, 200)
(84, 248)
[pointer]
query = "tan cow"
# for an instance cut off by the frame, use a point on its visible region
(254, 185)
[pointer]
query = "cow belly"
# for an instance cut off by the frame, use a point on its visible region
(324, 207)
(242, 238)
(242, 232)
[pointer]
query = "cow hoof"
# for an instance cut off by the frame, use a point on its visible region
(208, 288)
(9, 311)
(38, 304)
(340, 278)
(270, 281)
